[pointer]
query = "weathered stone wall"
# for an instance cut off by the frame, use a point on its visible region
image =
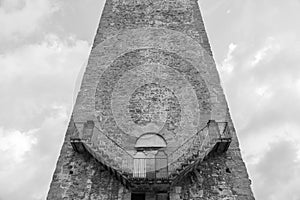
(79, 176)
(178, 15)
(125, 62)
(222, 177)
(150, 70)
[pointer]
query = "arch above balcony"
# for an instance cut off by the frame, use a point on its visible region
(150, 140)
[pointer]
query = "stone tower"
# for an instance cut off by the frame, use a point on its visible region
(151, 120)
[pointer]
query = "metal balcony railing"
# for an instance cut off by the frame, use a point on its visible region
(150, 168)
(155, 166)
(189, 148)
(224, 130)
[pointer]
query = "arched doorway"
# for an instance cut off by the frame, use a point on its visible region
(150, 140)
(150, 161)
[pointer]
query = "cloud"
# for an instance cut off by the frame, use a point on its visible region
(269, 87)
(28, 176)
(262, 78)
(36, 86)
(277, 174)
(263, 94)
(13, 145)
(227, 65)
(85, 13)
(269, 48)
(262, 89)
(19, 18)
(38, 73)
(35, 77)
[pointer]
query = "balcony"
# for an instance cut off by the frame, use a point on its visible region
(153, 168)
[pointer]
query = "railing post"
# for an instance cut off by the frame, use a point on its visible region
(213, 129)
(226, 131)
(155, 170)
(88, 128)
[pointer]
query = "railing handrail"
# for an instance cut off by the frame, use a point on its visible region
(206, 136)
(169, 155)
(171, 158)
(75, 129)
(222, 133)
(113, 141)
(193, 136)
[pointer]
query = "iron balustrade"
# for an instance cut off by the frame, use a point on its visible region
(189, 148)
(158, 165)
(224, 130)
(150, 168)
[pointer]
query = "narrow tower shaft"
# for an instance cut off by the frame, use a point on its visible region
(151, 120)
(183, 16)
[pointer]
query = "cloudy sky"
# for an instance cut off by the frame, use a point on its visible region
(44, 45)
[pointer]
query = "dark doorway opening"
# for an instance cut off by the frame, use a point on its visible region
(162, 196)
(137, 196)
